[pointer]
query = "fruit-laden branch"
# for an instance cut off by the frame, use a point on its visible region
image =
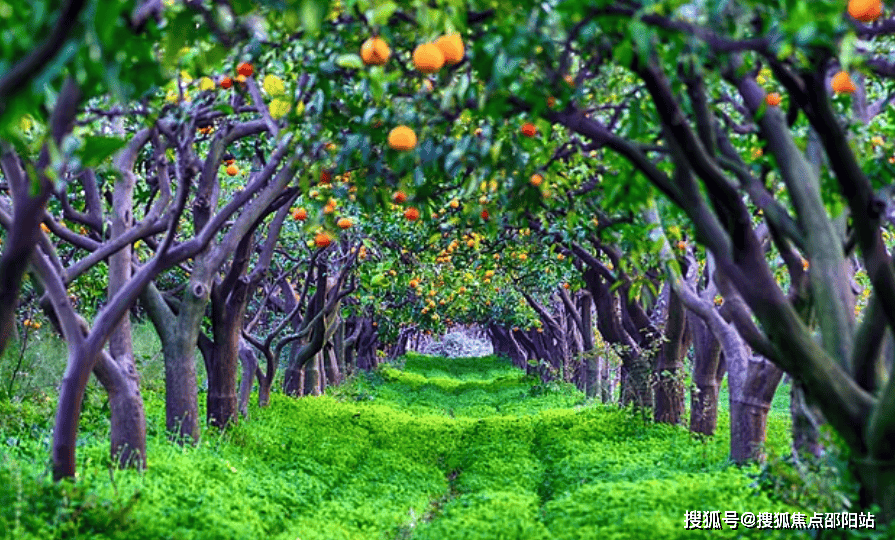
(575, 120)
(19, 76)
(206, 194)
(261, 107)
(829, 281)
(866, 209)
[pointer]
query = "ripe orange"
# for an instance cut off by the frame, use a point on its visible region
(536, 179)
(226, 82)
(412, 214)
(451, 47)
(329, 209)
(428, 58)
(865, 10)
(681, 244)
(325, 177)
(344, 223)
(245, 69)
(399, 197)
(414, 283)
(551, 101)
(375, 52)
(454, 203)
(842, 83)
(529, 129)
(232, 170)
(300, 214)
(322, 240)
(229, 161)
(484, 214)
(773, 99)
(402, 138)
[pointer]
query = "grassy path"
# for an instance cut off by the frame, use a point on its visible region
(439, 449)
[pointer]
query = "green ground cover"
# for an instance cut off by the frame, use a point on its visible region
(430, 448)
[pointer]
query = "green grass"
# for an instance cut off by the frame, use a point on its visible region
(438, 449)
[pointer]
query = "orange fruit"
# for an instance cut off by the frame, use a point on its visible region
(454, 203)
(551, 101)
(375, 52)
(428, 58)
(322, 240)
(842, 83)
(329, 209)
(865, 10)
(412, 214)
(681, 244)
(226, 82)
(773, 99)
(536, 179)
(484, 214)
(245, 69)
(399, 197)
(300, 214)
(529, 129)
(451, 47)
(569, 80)
(232, 170)
(229, 161)
(325, 177)
(344, 223)
(402, 138)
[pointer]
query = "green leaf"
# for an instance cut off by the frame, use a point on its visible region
(312, 13)
(352, 61)
(381, 14)
(98, 148)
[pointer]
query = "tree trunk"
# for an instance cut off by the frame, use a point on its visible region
(249, 370)
(178, 335)
(128, 419)
(592, 381)
(749, 407)
(227, 309)
(708, 371)
(181, 386)
(670, 385)
(636, 387)
(312, 376)
(806, 422)
(331, 367)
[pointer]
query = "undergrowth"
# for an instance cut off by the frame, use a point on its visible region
(439, 449)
